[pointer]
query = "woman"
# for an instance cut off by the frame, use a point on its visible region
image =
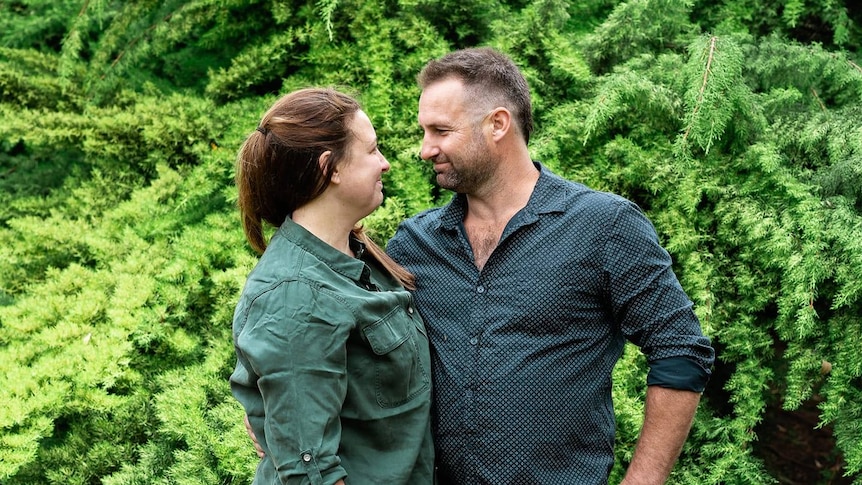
(332, 357)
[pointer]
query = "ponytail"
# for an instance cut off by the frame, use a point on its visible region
(407, 279)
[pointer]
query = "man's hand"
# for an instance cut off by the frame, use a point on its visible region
(251, 435)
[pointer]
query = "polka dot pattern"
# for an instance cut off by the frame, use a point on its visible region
(523, 350)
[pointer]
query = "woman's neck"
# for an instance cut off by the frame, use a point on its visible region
(324, 223)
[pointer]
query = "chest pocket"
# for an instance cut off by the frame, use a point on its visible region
(401, 362)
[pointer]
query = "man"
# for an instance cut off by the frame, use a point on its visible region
(530, 285)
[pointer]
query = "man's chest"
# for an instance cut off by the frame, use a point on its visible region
(525, 286)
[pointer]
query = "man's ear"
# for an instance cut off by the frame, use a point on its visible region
(501, 120)
(322, 161)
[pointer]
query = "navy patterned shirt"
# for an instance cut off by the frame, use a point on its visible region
(522, 351)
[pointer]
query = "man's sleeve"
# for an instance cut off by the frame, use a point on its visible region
(650, 305)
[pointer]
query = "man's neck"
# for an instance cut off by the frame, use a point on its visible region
(488, 215)
(505, 196)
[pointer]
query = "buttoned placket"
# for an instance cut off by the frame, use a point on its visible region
(475, 326)
(478, 322)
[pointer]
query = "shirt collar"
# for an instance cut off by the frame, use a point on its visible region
(353, 268)
(544, 199)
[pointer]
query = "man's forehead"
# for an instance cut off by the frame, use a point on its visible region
(439, 104)
(449, 86)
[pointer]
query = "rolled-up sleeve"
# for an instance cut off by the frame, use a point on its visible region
(651, 307)
(292, 369)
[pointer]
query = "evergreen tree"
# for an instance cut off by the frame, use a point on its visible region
(733, 124)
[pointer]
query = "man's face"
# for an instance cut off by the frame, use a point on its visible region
(454, 139)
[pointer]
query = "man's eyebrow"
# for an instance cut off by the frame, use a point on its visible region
(437, 124)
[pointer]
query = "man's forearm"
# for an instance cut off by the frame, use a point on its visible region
(667, 420)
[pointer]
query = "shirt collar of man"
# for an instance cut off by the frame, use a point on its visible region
(544, 200)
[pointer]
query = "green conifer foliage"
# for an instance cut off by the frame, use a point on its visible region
(733, 124)
(752, 232)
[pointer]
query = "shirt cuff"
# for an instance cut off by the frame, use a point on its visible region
(679, 373)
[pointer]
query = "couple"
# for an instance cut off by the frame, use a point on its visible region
(530, 286)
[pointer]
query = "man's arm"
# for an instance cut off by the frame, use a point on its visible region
(668, 417)
(257, 447)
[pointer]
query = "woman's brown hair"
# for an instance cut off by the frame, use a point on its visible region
(278, 169)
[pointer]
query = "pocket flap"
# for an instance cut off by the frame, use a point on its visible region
(384, 336)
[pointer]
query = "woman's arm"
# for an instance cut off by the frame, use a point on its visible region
(295, 346)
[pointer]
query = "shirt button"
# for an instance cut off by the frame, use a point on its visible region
(410, 310)
(480, 289)
(306, 457)
(474, 341)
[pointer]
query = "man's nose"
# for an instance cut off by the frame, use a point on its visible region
(428, 150)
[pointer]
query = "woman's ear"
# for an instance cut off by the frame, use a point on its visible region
(323, 160)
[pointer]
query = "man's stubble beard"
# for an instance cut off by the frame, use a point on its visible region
(470, 176)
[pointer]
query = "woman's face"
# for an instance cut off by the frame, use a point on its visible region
(360, 185)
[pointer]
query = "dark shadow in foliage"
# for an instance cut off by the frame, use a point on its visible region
(25, 174)
(817, 21)
(187, 64)
(793, 446)
(102, 441)
(464, 23)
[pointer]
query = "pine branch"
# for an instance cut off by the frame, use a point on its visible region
(135, 41)
(80, 14)
(706, 74)
(822, 106)
(9, 172)
(327, 8)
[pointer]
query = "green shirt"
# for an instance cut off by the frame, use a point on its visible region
(333, 367)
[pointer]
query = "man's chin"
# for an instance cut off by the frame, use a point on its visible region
(445, 182)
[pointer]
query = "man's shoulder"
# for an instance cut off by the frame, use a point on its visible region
(573, 193)
(420, 227)
(424, 219)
